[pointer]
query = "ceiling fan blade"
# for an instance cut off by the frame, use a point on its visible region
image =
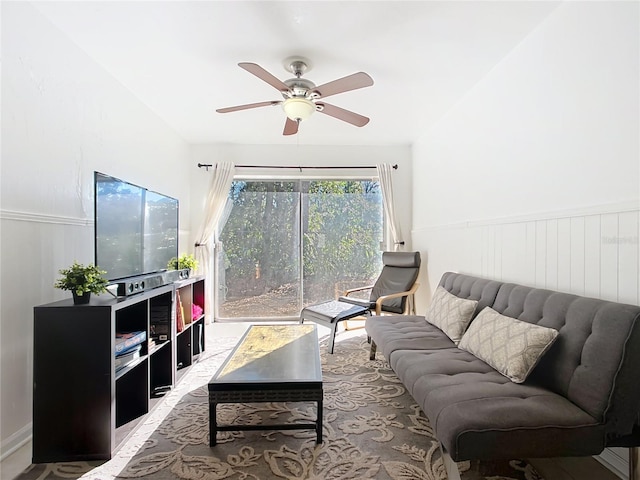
(290, 127)
(265, 76)
(344, 115)
(345, 84)
(247, 106)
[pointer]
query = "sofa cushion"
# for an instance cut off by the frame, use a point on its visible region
(405, 332)
(510, 346)
(450, 313)
(477, 413)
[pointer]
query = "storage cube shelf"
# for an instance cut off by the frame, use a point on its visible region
(82, 407)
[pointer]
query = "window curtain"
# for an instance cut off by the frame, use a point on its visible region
(223, 173)
(385, 175)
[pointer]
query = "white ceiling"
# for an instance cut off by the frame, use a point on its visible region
(180, 59)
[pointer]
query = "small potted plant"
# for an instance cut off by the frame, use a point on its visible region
(82, 280)
(184, 261)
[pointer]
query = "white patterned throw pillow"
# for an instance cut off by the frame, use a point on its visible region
(511, 346)
(450, 314)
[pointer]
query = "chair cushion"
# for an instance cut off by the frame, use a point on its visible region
(401, 259)
(358, 301)
(450, 313)
(399, 273)
(511, 346)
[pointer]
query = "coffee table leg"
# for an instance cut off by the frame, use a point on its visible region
(319, 423)
(213, 425)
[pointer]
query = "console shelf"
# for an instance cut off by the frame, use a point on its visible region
(82, 405)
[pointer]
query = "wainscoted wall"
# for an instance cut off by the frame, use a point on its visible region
(63, 117)
(594, 252)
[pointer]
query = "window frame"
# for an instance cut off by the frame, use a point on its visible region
(300, 179)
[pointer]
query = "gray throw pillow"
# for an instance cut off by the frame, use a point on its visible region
(511, 346)
(450, 313)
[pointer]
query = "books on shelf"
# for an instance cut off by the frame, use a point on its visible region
(127, 341)
(126, 358)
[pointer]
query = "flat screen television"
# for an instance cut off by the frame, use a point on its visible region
(136, 230)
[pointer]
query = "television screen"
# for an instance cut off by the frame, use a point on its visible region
(136, 230)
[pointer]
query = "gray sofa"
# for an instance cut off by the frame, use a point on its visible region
(582, 396)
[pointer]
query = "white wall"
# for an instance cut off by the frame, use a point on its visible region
(534, 176)
(305, 156)
(537, 151)
(62, 118)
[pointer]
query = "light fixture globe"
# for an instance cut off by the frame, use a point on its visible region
(298, 108)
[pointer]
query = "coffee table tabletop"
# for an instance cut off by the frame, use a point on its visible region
(270, 363)
(273, 354)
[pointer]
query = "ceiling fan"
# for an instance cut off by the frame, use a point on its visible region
(302, 97)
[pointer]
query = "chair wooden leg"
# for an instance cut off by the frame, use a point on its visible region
(346, 325)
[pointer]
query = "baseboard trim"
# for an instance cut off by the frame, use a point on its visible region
(614, 462)
(16, 441)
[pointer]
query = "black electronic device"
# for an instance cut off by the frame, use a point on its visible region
(136, 231)
(171, 276)
(133, 285)
(143, 283)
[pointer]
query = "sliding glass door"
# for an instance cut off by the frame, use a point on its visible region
(291, 243)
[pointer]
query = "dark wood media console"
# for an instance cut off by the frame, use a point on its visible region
(83, 407)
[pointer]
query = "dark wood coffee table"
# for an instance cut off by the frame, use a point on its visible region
(271, 363)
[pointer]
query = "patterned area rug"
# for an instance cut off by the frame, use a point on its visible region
(373, 429)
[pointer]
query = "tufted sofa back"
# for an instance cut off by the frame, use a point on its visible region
(472, 288)
(595, 362)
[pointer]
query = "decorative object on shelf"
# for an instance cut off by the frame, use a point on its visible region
(196, 311)
(82, 280)
(179, 313)
(184, 261)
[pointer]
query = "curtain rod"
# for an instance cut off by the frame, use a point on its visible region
(207, 165)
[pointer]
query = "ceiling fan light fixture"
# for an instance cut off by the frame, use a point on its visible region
(300, 94)
(298, 108)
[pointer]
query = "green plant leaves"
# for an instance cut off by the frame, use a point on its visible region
(82, 279)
